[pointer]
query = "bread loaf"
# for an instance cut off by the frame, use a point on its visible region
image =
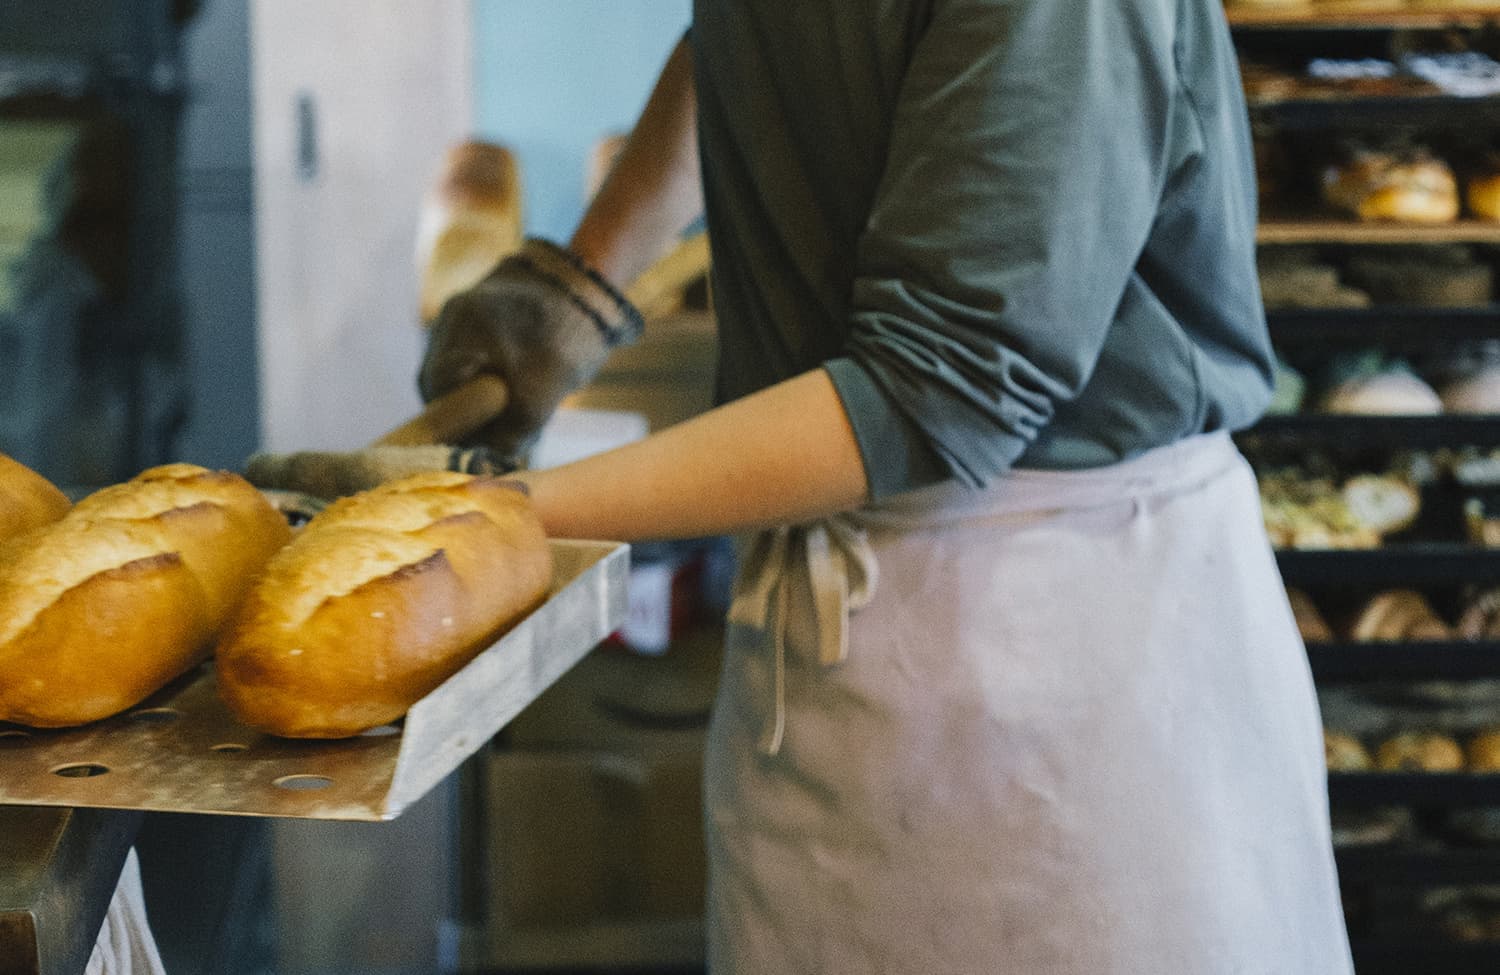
(27, 500)
(470, 220)
(380, 598)
(125, 592)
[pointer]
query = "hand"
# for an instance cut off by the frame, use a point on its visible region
(544, 322)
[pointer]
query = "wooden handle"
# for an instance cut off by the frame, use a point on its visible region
(452, 416)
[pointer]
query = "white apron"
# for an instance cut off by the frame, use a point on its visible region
(125, 945)
(1069, 730)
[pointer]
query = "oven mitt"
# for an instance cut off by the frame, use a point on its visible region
(544, 322)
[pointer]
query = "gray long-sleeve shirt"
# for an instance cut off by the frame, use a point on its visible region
(1015, 232)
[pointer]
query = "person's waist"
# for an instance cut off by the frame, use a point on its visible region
(1173, 468)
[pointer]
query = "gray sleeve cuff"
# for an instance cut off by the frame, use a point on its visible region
(896, 454)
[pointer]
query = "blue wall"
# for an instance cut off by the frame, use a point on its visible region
(554, 77)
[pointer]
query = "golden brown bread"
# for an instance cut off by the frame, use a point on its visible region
(1414, 751)
(1344, 753)
(104, 606)
(27, 499)
(1375, 186)
(382, 597)
(1484, 751)
(469, 221)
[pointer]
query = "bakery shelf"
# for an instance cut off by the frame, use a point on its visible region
(1382, 661)
(1409, 566)
(1313, 19)
(1346, 111)
(1383, 957)
(1332, 231)
(1320, 326)
(1439, 867)
(1426, 789)
(1349, 430)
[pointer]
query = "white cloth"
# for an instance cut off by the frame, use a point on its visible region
(1075, 733)
(125, 945)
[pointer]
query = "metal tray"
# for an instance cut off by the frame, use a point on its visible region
(181, 750)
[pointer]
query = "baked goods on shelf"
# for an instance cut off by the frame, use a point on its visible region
(1345, 753)
(379, 599)
(1389, 392)
(1302, 511)
(1293, 277)
(1420, 751)
(1399, 615)
(1433, 276)
(27, 499)
(1310, 622)
(1483, 751)
(124, 592)
(1480, 619)
(468, 222)
(1412, 187)
(1482, 194)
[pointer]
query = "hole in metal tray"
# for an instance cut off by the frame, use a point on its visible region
(229, 747)
(80, 770)
(302, 783)
(13, 736)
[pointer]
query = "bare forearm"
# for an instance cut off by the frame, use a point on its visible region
(785, 454)
(654, 190)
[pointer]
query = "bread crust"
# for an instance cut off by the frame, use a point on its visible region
(27, 500)
(105, 644)
(372, 607)
(104, 606)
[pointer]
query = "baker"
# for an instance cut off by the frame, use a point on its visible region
(1011, 682)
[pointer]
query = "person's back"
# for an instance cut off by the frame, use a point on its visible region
(1057, 199)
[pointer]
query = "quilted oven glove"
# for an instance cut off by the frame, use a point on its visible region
(544, 322)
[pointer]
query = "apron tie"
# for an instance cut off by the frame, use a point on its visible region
(841, 574)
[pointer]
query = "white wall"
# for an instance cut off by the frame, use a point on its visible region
(390, 83)
(552, 77)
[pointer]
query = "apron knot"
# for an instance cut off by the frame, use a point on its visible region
(819, 572)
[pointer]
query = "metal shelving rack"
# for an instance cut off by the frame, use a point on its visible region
(1435, 565)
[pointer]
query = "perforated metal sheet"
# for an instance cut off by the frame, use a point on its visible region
(181, 751)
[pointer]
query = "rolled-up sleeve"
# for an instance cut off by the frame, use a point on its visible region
(1025, 163)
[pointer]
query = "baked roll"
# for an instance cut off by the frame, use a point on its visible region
(1420, 752)
(125, 592)
(379, 599)
(27, 499)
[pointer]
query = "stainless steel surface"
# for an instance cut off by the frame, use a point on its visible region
(58, 870)
(181, 751)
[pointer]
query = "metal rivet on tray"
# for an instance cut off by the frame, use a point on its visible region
(302, 783)
(80, 770)
(156, 715)
(229, 746)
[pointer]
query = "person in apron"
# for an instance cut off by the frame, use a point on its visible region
(1011, 682)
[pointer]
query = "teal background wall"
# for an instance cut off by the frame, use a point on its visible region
(552, 78)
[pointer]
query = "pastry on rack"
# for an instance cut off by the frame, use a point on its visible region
(1291, 277)
(1389, 392)
(1398, 614)
(1406, 187)
(1483, 752)
(1310, 515)
(1420, 751)
(1310, 623)
(27, 500)
(1481, 617)
(1434, 276)
(1344, 753)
